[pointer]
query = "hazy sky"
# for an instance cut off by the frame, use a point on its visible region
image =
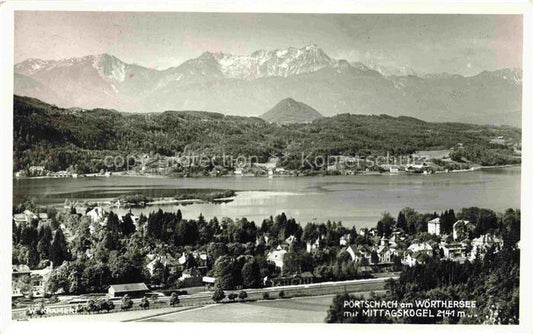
(464, 44)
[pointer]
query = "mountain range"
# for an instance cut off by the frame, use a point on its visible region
(246, 85)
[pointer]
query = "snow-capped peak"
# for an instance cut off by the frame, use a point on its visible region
(280, 62)
(30, 66)
(109, 67)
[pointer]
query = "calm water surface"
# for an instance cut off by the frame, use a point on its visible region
(354, 200)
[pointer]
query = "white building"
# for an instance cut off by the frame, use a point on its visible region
(277, 257)
(97, 214)
(416, 253)
(434, 226)
(310, 247)
(454, 251)
(482, 244)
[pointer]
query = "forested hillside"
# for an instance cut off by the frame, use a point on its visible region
(57, 138)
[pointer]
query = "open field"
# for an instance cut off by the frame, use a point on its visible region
(303, 309)
(311, 309)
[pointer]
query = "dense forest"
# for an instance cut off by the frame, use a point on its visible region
(59, 139)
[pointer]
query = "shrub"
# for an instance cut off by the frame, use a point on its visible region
(174, 299)
(266, 295)
(218, 295)
(145, 303)
(281, 294)
(126, 303)
(232, 296)
(243, 295)
(106, 305)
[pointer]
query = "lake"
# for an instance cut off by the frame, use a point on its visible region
(354, 200)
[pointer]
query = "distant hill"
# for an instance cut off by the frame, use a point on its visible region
(58, 138)
(291, 111)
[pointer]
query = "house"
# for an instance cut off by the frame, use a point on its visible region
(277, 257)
(209, 281)
(20, 218)
(261, 239)
(36, 170)
(498, 140)
(238, 171)
(352, 251)
(133, 290)
(201, 259)
(30, 215)
(25, 217)
(166, 260)
(434, 226)
(343, 240)
(296, 279)
(394, 169)
(461, 229)
(19, 273)
(386, 251)
(454, 251)
(97, 215)
(481, 245)
(191, 277)
(331, 168)
(397, 235)
(290, 240)
(359, 253)
(40, 278)
(417, 253)
(311, 247)
(416, 168)
(44, 218)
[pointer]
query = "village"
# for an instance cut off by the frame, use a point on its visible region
(183, 165)
(357, 255)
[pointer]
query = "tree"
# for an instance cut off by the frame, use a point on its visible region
(402, 221)
(387, 223)
(218, 295)
(33, 256)
(251, 275)
(174, 299)
(127, 225)
(243, 295)
(374, 258)
(126, 303)
(44, 247)
(59, 251)
(113, 223)
(145, 303)
(281, 294)
(106, 305)
(232, 296)
(224, 272)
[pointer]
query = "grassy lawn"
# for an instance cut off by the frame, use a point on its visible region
(311, 309)
(294, 310)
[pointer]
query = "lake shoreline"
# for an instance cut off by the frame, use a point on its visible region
(156, 176)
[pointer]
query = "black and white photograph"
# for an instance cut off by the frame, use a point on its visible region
(266, 167)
